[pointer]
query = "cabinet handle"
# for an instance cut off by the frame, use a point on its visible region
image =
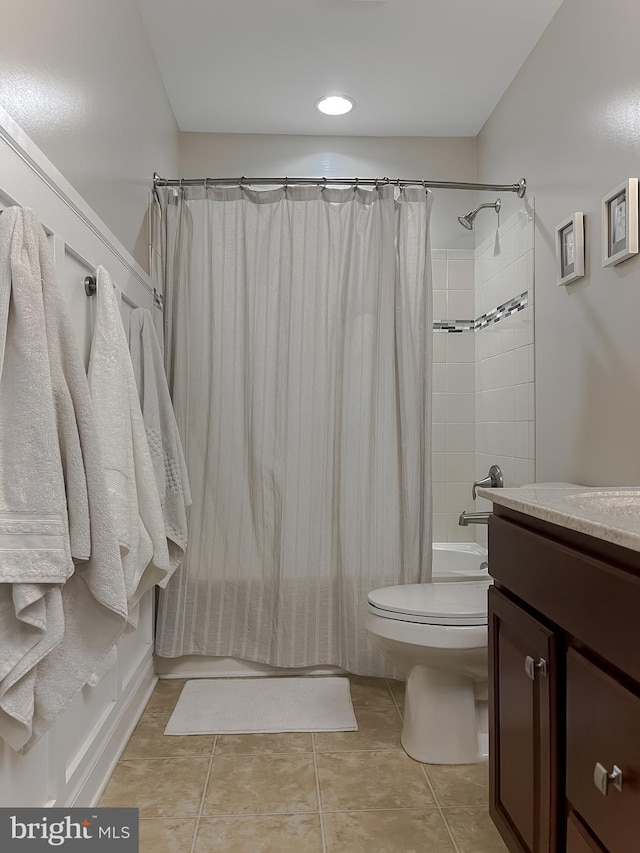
(532, 666)
(602, 779)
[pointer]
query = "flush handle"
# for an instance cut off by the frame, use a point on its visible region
(602, 779)
(532, 666)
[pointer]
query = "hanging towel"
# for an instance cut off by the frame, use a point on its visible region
(34, 552)
(131, 484)
(58, 621)
(162, 431)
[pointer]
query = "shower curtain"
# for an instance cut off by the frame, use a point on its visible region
(298, 346)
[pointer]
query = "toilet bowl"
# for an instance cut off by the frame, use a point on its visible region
(437, 635)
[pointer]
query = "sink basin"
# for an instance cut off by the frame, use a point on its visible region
(618, 504)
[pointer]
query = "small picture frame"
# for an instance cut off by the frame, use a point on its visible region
(570, 249)
(620, 223)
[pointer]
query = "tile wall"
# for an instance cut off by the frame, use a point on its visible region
(483, 371)
(453, 393)
(504, 360)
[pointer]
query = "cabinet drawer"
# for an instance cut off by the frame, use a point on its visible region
(603, 727)
(596, 602)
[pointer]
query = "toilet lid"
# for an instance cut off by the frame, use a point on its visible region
(435, 604)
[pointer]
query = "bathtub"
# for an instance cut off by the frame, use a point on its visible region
(458, 561)
(452, 561)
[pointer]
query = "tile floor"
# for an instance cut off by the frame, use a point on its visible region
(348, 792)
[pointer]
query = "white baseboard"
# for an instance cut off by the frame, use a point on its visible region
(90, 788)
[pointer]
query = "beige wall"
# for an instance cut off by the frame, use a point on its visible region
(81, 79)
(256, 155)
(570, 122)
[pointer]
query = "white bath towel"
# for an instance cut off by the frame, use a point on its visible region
(131, 484)
(58, 620)
(162, 431)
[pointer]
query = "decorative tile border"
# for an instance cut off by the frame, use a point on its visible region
(502, 311)
(490, 318)
(454, 325)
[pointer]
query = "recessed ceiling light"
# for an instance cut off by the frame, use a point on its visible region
(335, 105)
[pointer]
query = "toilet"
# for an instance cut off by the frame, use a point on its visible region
(436, 633)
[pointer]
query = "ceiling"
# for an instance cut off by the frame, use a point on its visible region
(413, 67)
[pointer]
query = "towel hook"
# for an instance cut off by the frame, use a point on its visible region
(90, 285)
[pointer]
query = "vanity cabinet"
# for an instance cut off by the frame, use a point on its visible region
(523, 695)
(578, 838)
(603, 753)
(564, 688)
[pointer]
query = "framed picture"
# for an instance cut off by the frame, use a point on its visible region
(620, 223)
(570, 249)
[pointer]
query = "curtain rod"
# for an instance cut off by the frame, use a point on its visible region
(519, 188)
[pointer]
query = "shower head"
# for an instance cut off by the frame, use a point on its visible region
(467, 220)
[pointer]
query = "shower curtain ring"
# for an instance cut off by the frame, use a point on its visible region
(241, 182)
(286, 183)
(324, 185)
(355, 186)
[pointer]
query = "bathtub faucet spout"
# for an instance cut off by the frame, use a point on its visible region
(467, 518)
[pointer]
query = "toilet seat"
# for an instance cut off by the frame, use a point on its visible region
(446, 604)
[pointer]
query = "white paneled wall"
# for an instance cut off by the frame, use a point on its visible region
(453, 394)
(504, 371)
(71, 764)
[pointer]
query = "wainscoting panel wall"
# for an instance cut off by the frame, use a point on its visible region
(72, 763)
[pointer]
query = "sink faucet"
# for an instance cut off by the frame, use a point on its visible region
(467, 518)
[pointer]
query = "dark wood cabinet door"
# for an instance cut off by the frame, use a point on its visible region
(603, 735)
(523, 726)
(578, 839)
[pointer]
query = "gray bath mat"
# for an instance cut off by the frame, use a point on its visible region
(223, 706)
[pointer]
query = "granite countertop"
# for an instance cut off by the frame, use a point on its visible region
(606, 512)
